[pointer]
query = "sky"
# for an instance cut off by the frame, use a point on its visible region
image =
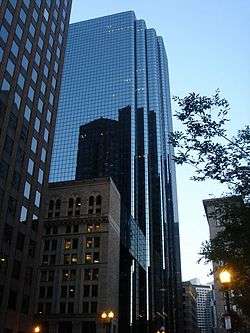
(208, 47)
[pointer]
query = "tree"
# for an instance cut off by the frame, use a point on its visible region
(205, 143)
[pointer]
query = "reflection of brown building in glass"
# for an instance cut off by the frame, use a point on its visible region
(98, 150)
(104, 151)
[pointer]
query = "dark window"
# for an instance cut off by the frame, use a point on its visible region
(98, 211)
(51, 205)
(70, 307)
(12, 121)
(51, 276)
(25, 304)
(54, 244)
(87, 274)
(68, 229)
(7, 235)
(45, 260)
(12, 206)
(54, 230)
(63, 291)
(97, 242)
(58, 204)
(20, 241)
(40, 308)
(75, 228)
(94, 290)
(49, 292)
(8, 145)
(98, 200)
(86, 291)
(19, 157)
(44, 276)
(1, 294)
(32, 248)
(62, 307)
(47, 230)
(24, 132)
(12, 300)
(91, 201)
(47, 308)
(42, 292)
(71, 203)
(46, 245)
(4, 168)
(93, 307)
(95, 274)
(16, 180)
(85, 307)
(75, 243)
(28, 275)
(52, 259)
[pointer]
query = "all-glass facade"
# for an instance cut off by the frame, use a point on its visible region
(32, 42)
(115, 82)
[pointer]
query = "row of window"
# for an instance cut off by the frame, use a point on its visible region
(72, 259)
(67, 307)
(71, 244)
(90, 227)
(69, 291)
(16, 269)
(13, 298)
(74, 206)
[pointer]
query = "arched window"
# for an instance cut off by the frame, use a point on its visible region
(91, 201)
(71, 202)
(58, 204)
(51, 205)
(99, 200)
(78, 202)
(78, 206)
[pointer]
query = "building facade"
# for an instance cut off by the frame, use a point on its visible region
(189, 308)
(206, 320)
(116, 64)
(32, 44)
(217, 210)
(79, 272)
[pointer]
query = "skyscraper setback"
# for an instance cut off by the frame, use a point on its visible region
(115, 63)
(32, 44)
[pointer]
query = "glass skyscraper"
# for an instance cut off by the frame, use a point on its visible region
(32, 43)
(115, 64)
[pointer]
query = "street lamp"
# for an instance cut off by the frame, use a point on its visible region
(37, 329)
(225, 279)
(107, 317)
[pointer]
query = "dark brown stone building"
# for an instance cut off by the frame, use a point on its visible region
(79, 272)
(32, 42)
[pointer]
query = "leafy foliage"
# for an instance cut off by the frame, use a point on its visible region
(231, 247)
(205, 144)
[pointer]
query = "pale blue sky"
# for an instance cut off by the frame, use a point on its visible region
(208, 47)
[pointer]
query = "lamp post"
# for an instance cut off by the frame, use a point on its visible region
(225, 280)
(107, 318)
(37, 329)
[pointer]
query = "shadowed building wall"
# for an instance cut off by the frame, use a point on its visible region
(32, 43)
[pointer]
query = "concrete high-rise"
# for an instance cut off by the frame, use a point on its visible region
(32, 44)
(113, 63)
